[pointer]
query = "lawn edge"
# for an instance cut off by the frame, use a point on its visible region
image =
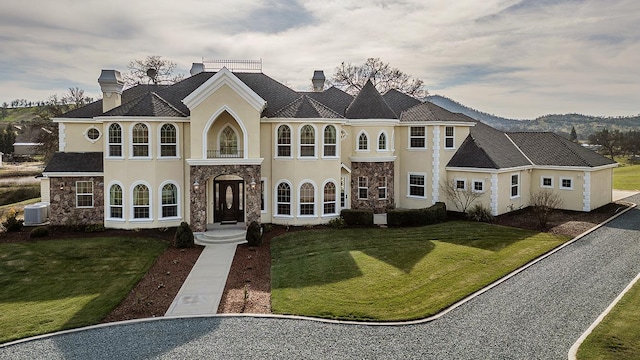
(332, 321)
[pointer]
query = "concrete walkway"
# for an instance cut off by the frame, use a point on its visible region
(202, 290)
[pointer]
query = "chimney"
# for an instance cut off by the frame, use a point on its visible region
(318, 80)
(196, 68)
(111, 85)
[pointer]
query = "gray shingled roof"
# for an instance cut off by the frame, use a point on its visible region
(149, 104)
(430, 112)
(369, 104)
(75, 162)
(306, 107)
(95, 108)
(545, 148)
(399, 101)
(333, 98)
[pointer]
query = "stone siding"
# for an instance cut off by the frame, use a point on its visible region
(372, 170)
(63, 210)
(197, 198)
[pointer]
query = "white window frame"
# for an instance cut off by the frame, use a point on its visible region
(512, 186)
(147, 144)
(477, 181)
(276, 202)
(160, 143)
(423, 137)
(386, 141)
(86, 134)
(464, 184)
(315, 143)
(336, 195)
(334, 145)
(366, 136)
(384, 187)
(561, 183)
(177, 204)
(542, 185)
(290, 145)
(119, 144)
(132, 206)
(314, 203)
(78, 194)
(109, 205)
(366, 187)
(423, 186)
(451, 137)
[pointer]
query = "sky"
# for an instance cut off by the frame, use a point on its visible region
(512, 58)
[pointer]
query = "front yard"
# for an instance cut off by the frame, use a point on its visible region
(394, 274)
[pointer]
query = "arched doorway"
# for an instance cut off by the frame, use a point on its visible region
(228, 193)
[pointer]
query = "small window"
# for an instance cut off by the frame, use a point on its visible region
(92, 134)
(141, 202)
(449, 137)
(115, 140)
(283, 199)
(307, 141)
(169, 201)
(417, 137)
(461, 184)
(330, 141)
(168, 141)
(417, 185)
(115, 202)
(515, 185)
(363, 142)
(566, 183)
(363, 188)
(382, 188)
(284, 141)
(478, 186)
(382, 142)
(140, 139)
(546, 182)
(84, 194)
(329, 199)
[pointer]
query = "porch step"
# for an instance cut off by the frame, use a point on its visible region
(222, 235)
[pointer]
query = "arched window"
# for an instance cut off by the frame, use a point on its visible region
(363, 141)
(330, 141)
(228, 142)
(115, 140)
(141, 203)
(284, 141)
(169, 201)
(382, 141)
(307, 199)
(329, 199)
(283, 199)
(307, 141)
(115, 202)
(168, 140)
(140, 140)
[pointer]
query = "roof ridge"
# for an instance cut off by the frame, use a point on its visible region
(518, 147)
(286, 107)
(315, 103)
(153, 93)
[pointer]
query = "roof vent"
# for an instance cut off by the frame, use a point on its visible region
(196, 68)
(318, 80)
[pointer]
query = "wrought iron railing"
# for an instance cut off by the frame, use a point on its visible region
(224, 154)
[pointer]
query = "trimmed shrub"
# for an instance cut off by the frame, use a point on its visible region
(12, 223)
(337, 223)
(184, 236)
(39, 232)
(94, 228)
(417, 217)
(480, 213)
(254, 234)
(357, 217)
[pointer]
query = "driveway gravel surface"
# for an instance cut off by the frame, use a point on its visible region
(536, 314)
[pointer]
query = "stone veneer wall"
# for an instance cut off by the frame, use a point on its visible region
(372, 170)
(63, 210)
(197, 198)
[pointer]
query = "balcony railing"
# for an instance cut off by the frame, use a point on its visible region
(225, 154)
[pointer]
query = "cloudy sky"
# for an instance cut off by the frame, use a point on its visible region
(513, 58)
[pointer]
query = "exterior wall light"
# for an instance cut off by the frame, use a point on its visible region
(196, 185)
(253, 183)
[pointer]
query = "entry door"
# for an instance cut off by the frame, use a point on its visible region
(228, 205)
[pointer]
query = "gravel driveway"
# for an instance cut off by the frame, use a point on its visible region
(537, 314)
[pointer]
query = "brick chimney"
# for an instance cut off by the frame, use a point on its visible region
(318, 80)
(111, 84)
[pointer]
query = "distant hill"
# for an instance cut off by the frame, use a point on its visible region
(560, 124)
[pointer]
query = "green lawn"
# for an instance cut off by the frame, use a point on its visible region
(53, 285)
(626, 177)
(394, 274)
(618, 335)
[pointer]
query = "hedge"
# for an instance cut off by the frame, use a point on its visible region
(359, 217)
(417, 217)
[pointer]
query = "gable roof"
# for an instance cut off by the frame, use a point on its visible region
(334, 98)
(149, 104)
(306, 107)
(427, 111)
(369, 104)
(75, 162)
(399, 101)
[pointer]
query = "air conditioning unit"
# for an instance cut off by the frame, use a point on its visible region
(36, 214)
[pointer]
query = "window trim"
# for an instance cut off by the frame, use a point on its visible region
(315, 142)
(219, 138)
(108, 205)
(452, 137)
(177, 204)
(276, 214)
(324, 143)
(290, 145)
(335, 199)
(86, 134)
(132, 217)
(148, 143)
(464, 184)
(91, 194)
(120, 144)
(424, 186)
(477, 181)
(562, 179)
(366, 137)
(512, 185)
(160, 143)
(423, 137)
(299, 202)
(366, 179)
(386, 141)
(542, 185)
(385, 187)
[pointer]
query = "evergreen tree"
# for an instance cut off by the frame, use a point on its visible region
(574, 135)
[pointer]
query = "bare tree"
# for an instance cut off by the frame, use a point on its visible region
(153, 69)
(462, 198)
(543, 202)
(75, 98)
(351, 78)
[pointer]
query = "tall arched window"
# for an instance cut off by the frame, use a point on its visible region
(307, 141)
(382, 141)
(140, 140)
(169, 201)
(284, 141)
(141, 202)
(307, 199)
(115, 202)
(283, 199)
(363, 141)
(330, 141)
(115, 140)
(329, 199)
(228, 142)
(168, 140)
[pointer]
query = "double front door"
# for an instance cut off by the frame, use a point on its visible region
(229, 201)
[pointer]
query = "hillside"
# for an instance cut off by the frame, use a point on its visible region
(19, 115)
(557, 123)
